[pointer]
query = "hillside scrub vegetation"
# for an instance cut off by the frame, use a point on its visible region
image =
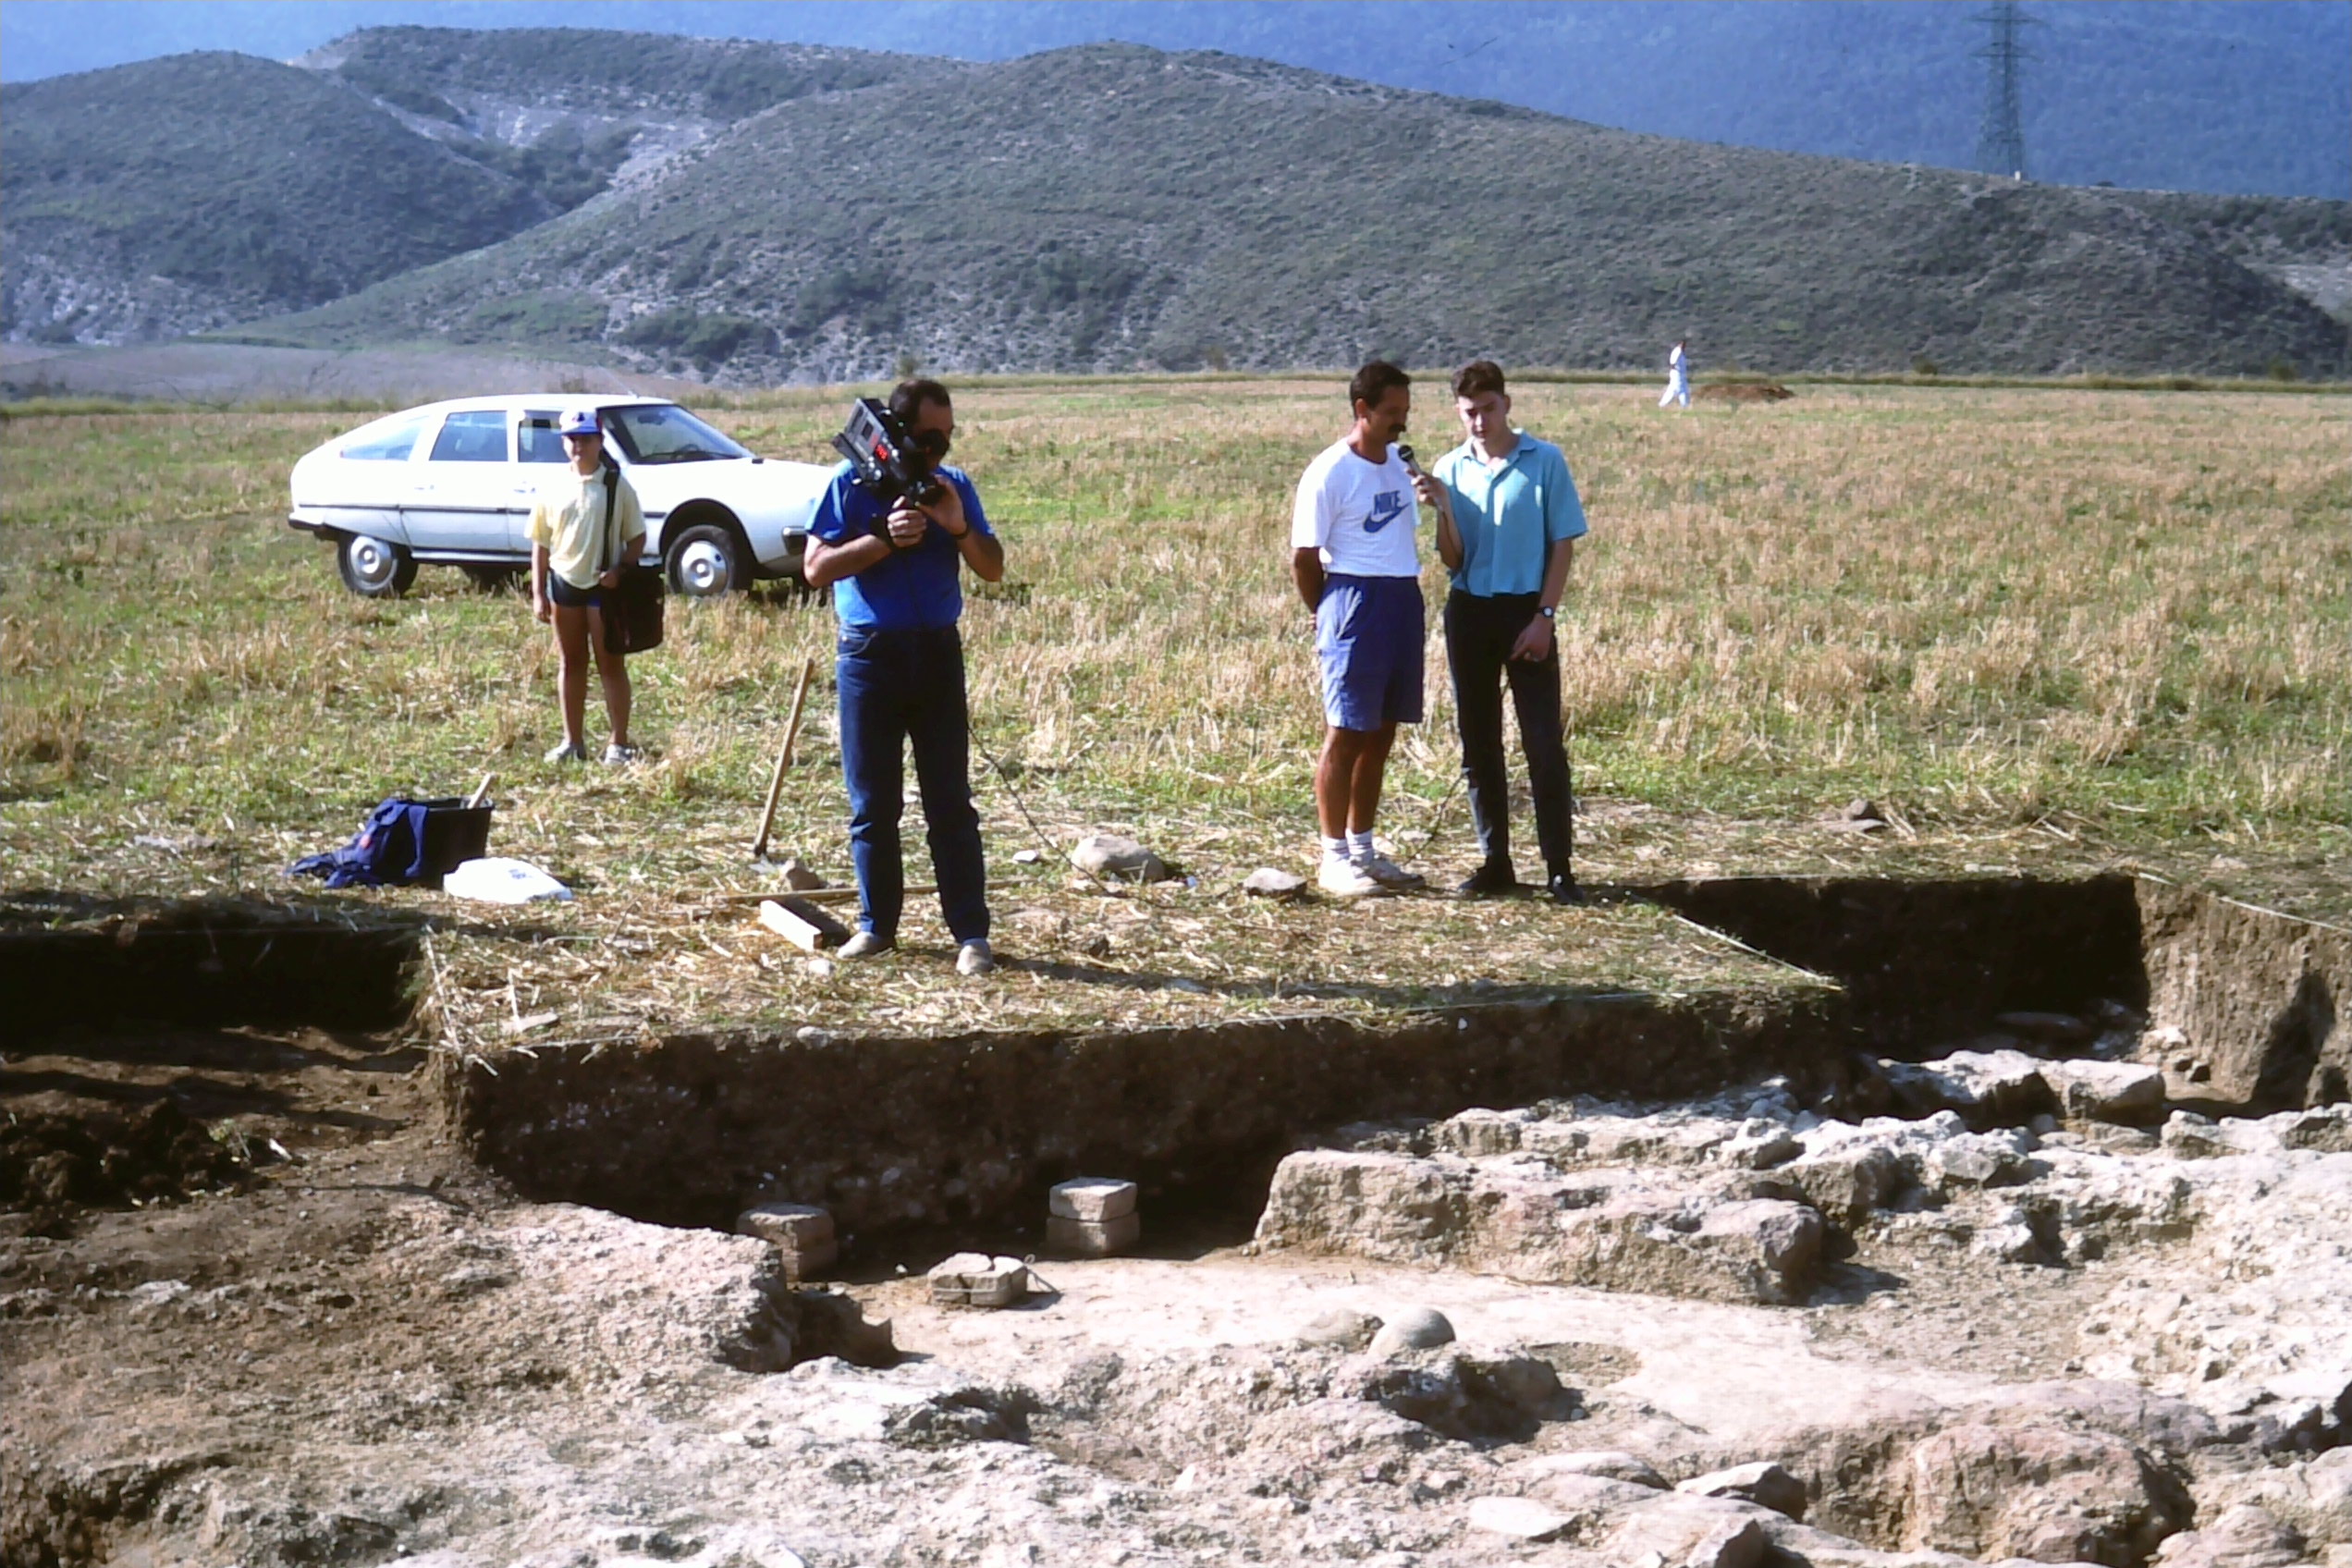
(1114, 208)
(202, 190)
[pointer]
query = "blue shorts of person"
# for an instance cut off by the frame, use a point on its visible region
(1368, 632)
(564, 594)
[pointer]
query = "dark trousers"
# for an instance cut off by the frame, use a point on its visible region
(899, 686)
(1479, 630)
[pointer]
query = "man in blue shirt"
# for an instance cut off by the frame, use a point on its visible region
(1508, 520)
(896, 571)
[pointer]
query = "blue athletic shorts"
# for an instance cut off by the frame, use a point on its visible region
(1368, 632)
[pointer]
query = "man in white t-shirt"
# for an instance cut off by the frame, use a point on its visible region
(1352, 558)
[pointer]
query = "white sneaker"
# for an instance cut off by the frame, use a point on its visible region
(616, 753)
(1388, 873)
(568, 752)
(974, 958)
(1344, 879)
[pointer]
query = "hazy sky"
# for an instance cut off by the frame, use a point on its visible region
(2252, 95)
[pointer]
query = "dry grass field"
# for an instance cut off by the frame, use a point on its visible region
(2041, 627)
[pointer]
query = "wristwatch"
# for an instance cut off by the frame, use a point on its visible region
(1550, 612)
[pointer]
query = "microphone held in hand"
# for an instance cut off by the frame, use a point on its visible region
(1404, 456)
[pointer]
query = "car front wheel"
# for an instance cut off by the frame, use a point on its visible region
(706, 560)
(374, 568)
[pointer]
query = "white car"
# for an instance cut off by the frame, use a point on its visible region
(453, 482)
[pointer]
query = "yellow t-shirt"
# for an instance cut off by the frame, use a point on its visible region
(569, 518)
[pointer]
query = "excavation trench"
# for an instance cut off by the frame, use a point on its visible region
(896, 1132)
(164, 1013)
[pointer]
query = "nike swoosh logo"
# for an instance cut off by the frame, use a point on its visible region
(1386, 506)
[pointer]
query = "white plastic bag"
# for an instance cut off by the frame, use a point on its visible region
(498, 880)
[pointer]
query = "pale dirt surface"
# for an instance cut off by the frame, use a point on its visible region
(372, 1352)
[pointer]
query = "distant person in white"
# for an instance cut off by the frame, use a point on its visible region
(1677, 375)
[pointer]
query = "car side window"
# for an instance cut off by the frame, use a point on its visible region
(389, 446)
(473, 435)
(537, 442)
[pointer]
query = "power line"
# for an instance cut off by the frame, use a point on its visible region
(2001, 140)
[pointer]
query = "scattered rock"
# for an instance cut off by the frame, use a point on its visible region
(799, 876)
(1763, 1483)
(1345, 1329)
(1412, 1328)
(974, 1279)
(1986, 1088)
(2129, 1093)
(1612, 1465)
(2243, 1536)
(1268, 883)
(2041, 1492)
(1027, 857)
(1617, 1228)
(1106, 855)
(1519, 1518)
(1693, 1532)
(962, 1416)
(1855, 816)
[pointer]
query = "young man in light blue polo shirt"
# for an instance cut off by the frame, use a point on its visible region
(1508, 520)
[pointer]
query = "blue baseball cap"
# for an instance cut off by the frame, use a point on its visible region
(580, 421)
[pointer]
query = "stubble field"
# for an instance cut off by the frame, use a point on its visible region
(2040, 628)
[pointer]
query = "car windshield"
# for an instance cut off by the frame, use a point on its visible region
(664, 433)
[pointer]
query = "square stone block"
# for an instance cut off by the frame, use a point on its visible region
(801, 1233)
(974, 1279)
(1095, 1198)
(1087, 1238)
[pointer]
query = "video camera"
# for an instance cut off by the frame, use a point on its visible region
(882, 456)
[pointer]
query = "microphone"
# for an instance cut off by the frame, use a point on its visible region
(1404, 456)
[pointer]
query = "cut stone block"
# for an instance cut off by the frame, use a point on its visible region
(1087, 1238)
(1093, 1198)
(801, 1233)
(974, 1279)
(801, 924)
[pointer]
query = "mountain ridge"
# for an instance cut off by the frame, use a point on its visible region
(1169, 212)
(1115, 207)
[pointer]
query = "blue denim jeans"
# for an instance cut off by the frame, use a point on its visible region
(899, 686)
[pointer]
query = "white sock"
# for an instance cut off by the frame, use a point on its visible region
(1359, 847)
(1335, 849)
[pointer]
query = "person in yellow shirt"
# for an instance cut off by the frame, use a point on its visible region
(572, 563)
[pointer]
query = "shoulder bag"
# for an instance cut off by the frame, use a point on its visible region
(632, 611)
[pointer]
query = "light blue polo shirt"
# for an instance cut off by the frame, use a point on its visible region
(1510, 516)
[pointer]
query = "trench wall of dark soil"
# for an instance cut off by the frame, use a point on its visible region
(1928, 963)
(2246, 1007)
(896, 1132)
(68, 961)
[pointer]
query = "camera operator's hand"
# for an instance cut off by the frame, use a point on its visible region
(947, 511)
(907, 525)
